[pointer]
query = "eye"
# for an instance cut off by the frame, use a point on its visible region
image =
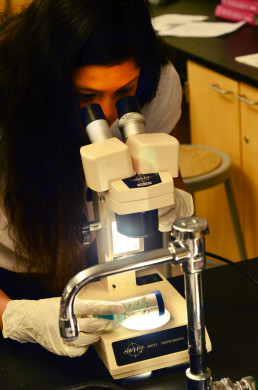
(86, 97)
(124, 91)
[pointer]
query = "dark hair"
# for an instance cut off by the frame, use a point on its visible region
(43, 186)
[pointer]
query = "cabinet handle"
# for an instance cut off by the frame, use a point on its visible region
(247, 101)
(215, 87)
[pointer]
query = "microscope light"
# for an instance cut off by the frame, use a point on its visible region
(147, 322)
(123, 244)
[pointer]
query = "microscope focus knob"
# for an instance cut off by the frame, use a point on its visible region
(85, 228)
(83, 233)
(190, 228)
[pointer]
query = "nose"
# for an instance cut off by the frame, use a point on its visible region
(108, 106)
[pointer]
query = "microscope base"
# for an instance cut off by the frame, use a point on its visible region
(127, 352)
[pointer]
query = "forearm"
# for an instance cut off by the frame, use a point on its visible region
(4, 299)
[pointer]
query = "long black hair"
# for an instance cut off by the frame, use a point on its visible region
(42, 182)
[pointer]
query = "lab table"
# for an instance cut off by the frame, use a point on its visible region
(216, 53)
(231, 317)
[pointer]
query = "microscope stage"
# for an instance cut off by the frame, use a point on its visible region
(128, 352)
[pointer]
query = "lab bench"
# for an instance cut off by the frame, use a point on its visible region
(216, 53)
(231, 317)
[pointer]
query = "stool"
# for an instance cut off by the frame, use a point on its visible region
(203, 167)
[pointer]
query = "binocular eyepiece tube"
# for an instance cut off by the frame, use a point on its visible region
(131, 122)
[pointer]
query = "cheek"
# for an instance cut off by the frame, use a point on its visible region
(82, 104)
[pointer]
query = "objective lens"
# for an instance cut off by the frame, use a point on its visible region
(138, 224)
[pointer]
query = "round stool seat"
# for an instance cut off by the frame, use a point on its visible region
(202, 166)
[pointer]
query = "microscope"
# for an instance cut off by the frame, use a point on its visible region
(130, 181)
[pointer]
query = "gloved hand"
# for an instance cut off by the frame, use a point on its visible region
(38, 321)
(183, 207)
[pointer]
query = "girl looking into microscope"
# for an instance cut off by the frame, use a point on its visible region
(55, 58)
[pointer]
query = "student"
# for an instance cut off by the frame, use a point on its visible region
(55, 58)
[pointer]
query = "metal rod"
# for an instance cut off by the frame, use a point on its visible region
(198, 374)
(197, 348)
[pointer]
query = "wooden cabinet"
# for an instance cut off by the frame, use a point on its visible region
(219, 119)
(249, 143)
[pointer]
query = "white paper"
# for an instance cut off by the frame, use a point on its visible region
(249, 59)
(192, 26)
(168, 21)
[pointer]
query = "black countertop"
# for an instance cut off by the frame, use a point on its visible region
(231, 317)
(215, 53)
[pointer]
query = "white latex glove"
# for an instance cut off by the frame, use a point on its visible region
(38, 321)
(183, 207)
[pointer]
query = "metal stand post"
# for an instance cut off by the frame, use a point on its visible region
(191, 232)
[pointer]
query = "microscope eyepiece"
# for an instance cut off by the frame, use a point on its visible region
(126, 105)
(91, 113)
(130, 119)
(95, 123)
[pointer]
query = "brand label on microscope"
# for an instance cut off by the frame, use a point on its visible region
(150, 345)
(144, 180)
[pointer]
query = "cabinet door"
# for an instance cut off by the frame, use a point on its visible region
(214, 121)
(249, 137)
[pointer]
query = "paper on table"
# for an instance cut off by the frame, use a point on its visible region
(203, 29)
(166, 21)
(198, 29)
(249, 59)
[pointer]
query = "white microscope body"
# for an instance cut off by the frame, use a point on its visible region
(131, 181)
